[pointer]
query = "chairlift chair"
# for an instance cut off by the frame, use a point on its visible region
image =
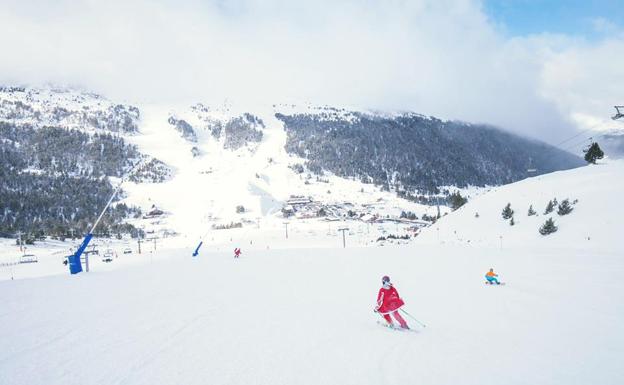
(531, 169)
(108, 256)
(619, 113)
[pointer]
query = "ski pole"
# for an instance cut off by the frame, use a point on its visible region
(412, 317)
(382, 317)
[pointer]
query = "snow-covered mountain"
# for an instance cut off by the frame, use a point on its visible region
(70, 109)
(612, 142)
(208, 167)
(227, 157)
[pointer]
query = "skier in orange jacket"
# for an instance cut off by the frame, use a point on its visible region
(491, 277)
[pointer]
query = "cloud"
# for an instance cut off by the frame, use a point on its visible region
(443, 58)
(585, 81)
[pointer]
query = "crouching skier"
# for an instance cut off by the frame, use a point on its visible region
(389, 302)
(491, 277)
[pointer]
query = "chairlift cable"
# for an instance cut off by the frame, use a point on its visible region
(578, 134)
(570, 147)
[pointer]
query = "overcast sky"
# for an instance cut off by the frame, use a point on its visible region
(477, 61)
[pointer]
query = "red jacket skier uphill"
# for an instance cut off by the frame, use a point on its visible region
(389, 302)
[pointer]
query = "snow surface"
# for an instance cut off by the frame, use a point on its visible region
(595, 222)
(302, 314)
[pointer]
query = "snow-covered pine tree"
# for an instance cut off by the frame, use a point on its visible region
(565, 207)
(593, 152)
(531, 211)
(548, 227)
(507, 212)
(549, 207)
(457, 200)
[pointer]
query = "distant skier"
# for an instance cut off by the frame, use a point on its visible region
(389, 302)
(237, 252)
(491, 277)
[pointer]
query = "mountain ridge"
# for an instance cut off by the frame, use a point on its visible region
(201, 162)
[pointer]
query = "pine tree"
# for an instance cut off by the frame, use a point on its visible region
(507, 212)
(457, 200)
(565, 207)
(549, 207)
(511, 222)
(548, 227)
(476, 215)
(531, 211)
(593, 153)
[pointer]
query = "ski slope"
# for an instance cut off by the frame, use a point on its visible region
(305, 317)
(206, 189)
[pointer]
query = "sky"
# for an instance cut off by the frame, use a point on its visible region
(543, 69)
(571, 17)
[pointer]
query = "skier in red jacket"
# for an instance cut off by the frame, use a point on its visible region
(389, 302)
(237, 252)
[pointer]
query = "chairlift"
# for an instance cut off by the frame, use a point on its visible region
(531, 169)
(619, 113)
(108, 256)
(28, 258)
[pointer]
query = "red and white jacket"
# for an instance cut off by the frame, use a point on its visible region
(388, 300)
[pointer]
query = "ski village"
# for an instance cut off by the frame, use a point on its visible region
(200, 238)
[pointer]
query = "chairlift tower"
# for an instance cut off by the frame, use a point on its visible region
(343, 229)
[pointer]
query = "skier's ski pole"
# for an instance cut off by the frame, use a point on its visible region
(412, 317)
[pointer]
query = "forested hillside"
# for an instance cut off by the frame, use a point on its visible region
(411, 152)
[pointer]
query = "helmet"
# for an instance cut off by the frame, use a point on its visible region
(385, 279)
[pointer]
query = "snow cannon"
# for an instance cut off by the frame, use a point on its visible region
(74, 260)
(196, 252)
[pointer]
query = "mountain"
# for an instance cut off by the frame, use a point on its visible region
(612, 143)
(411, 152)
(59, 150)
(63, 152)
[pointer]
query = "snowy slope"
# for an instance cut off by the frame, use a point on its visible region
(206, 189)
(305, 317)
(595, 222)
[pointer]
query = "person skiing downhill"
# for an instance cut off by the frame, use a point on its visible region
(389, 302)
(491, 277)
(237, 252)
